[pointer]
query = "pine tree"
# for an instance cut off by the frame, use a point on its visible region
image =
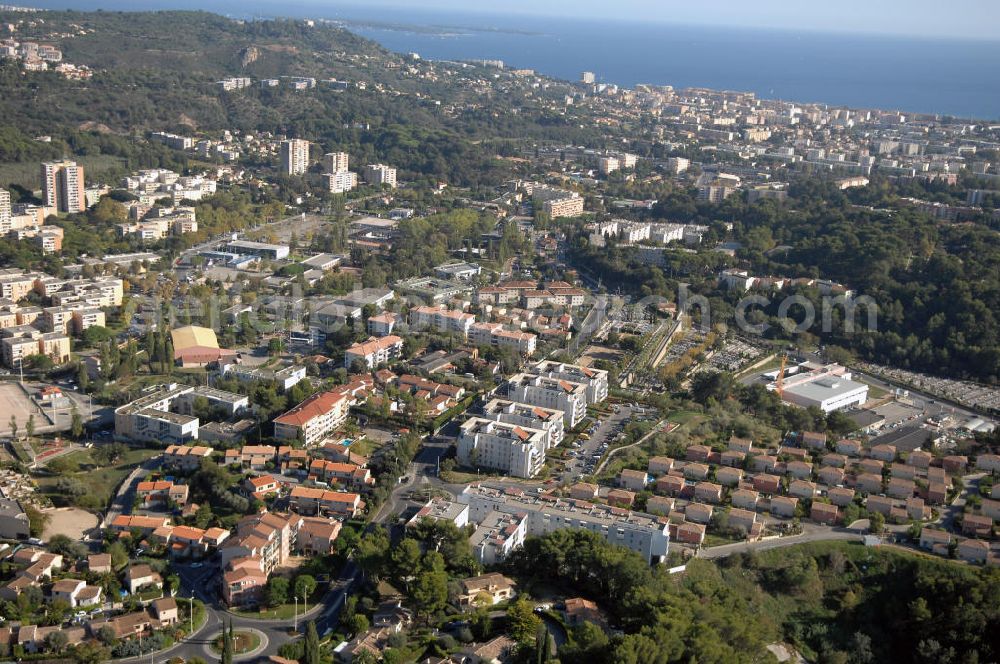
(227, 645)
(312, 644)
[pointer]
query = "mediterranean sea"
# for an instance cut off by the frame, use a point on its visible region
(910, 74)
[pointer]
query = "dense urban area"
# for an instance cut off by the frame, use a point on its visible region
(314, 352)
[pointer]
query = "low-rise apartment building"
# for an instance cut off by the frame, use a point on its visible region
(510, 448)
(313, 419)
(642, 533)
(562, 395)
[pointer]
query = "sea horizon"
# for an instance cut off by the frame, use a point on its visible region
(910, 74)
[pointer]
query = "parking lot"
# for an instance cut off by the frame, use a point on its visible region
(585, 454)
(15, 402)
(896, 413)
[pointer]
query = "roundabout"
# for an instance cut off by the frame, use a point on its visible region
(247, 641)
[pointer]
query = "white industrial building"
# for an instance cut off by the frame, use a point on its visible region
(827, 387)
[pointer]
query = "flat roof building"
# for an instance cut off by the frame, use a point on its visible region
(643, 533)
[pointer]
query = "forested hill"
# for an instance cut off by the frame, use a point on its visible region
(154, 70)
(203, 44)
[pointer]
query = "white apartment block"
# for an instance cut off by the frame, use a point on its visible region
(563, 395)
(341, 182)
(443, 320)
(5, 210)
(571, 206)
(497, 536)
(62, 186)
(284, 378)
(525, 415)
(643, 533)
(336, 162)
(596, 380)
(380, 174)
(374, 351)
(294, 156)
(509, 448)
(678, 165)
(494, 334)
(166, 414)
(314, 418)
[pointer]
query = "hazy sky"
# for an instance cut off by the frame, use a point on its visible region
(978, 19)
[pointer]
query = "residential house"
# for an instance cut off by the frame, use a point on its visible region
(869, 483)
(801, 489)
(742, 519)
(729, 476)
(659, 505)
(834, 461)
(765, 463)
(813, 440)
(261, 487)
(660, 465)
(931, 538)
(698, 513)
(799, 469)
(634, 480)
(973, 550)
(493, 588)
(311, 501)
(824, 513)
(744, 445)
(880, 504)
(732, 458)
(919, 459)
(900, 488)
(141, 576)
(99, 563)
(916, 510)
(783, 506)
(847, 447)
(690, 533)
(583, 491)
(708, 492)
(883, 452)
(954, 465)
(766, 484)
(831, 476)
(698, 453)
(744, 499)
(840, 496)
(977, 525)
(670, 485)
(696, 471)
(620, 498)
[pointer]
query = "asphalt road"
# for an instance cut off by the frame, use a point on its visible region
(202, 582)
(825, 535)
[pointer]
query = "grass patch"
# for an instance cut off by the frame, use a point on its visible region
(282, 612)
(714, 539)
(684, 416)
(101, 483)
(874, 392)
(243, 642)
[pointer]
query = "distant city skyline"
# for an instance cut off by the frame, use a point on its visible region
(969, 19)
